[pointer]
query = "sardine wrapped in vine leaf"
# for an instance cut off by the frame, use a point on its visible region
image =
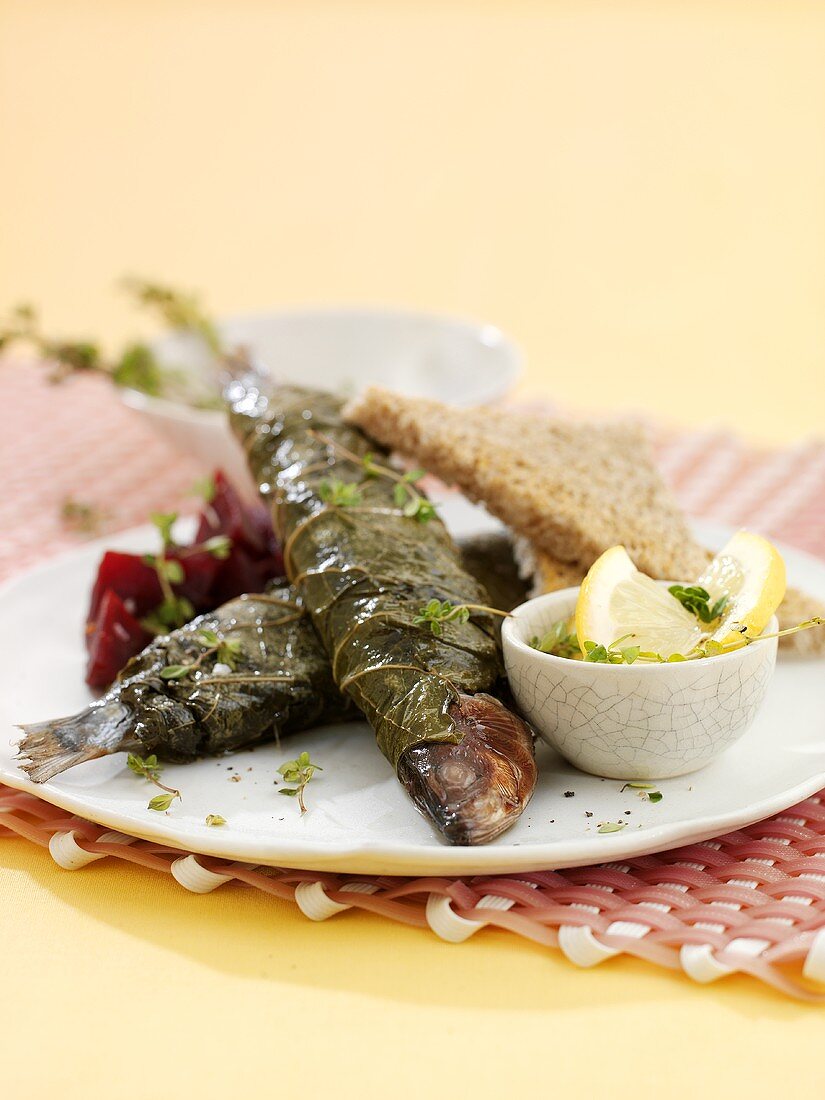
(249, 672)
(366, 552)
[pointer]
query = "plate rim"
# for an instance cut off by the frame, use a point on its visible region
(405, 858)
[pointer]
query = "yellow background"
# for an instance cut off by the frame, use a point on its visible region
(635, 192)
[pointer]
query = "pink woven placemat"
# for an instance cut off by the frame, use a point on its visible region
(752, 901)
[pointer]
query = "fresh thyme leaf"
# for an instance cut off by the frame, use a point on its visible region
(612, 826)
(204, 487)
(82, 517)
(219, 546)
(718, 607)
(340, 494)
(228, 652)
(160, 802)
(613, 654)
(299, 771)
(696, 599)
(66, 356)
(215, 819)
(559, 641)
(410, 501)
(175, 672)
(171, 613)
(171, 569)
(371, 467)
(437, 612)
(645, 791)
(178, 309)
(424, 511)
(150, 769)
(405, 495)
(138, 369)
(596, 653)
(164, 521)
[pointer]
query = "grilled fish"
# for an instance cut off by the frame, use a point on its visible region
(246, 673)
(365, 564)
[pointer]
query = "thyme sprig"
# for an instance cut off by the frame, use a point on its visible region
(176, 308)
(696, 600)
(338, 493)
(613, 654)
(712, 648)
(80, 516)
(645, 791)
(175, 610)
(204, 487)
(135, 367)
(226, 652)
(616, 654)
(437, 612)
(559, 640)
(150, 769)
(406, 496)
(299, 771)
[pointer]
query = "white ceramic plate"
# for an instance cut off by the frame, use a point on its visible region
(359, 818)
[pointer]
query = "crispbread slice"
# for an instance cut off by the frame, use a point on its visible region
(798, 607)
(568, 491)
(572, 490)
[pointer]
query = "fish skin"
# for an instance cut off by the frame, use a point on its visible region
(364, 575)
(202, 714)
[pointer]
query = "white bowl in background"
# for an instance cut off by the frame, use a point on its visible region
(639, 721)
(343, 350)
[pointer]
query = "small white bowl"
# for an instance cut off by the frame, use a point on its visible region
(639, 721)
(343, 350)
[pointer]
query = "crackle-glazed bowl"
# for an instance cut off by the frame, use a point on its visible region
(639, 721)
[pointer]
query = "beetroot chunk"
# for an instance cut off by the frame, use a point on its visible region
(255, 557)
(112, 639)
(128, 575)
(127, 590)
(200, 571)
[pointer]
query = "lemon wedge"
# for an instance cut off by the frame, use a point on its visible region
(616, 601)
(750, 571)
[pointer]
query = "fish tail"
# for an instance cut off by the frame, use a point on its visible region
(49, 748)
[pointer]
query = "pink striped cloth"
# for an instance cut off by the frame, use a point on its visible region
(77, 441)
(752, 901)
